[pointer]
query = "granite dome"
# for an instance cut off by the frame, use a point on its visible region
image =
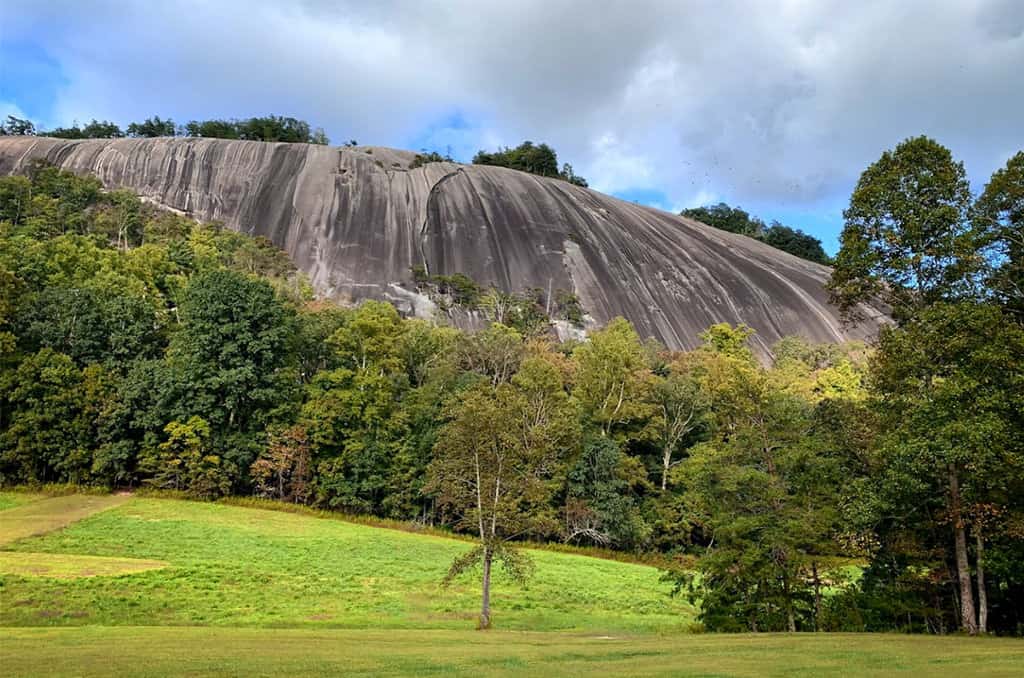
(357, 219)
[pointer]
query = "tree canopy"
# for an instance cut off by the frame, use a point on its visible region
(538, 159)
(778, 235)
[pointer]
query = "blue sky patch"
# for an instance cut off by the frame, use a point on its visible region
(30, 79)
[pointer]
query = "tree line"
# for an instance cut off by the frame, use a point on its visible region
(837, 487)
(778, 235)
(539, 159)
(265, 128)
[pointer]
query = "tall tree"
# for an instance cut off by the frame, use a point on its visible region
(230, 354)
(948, 386)
(761, 495)
(612, 378)
(494, 463)
(999, 216)
(908, 239)
(680, 407)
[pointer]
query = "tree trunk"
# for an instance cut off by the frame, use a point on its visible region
(817, 596)
(666, 459)
(968, 620)
(790, 618)
(485, 604)
(982, 596)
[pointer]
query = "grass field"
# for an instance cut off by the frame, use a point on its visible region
(147, 587)
(244, 567)
(134, 651)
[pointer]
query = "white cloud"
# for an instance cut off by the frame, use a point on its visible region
(750, 102)
(8, 108)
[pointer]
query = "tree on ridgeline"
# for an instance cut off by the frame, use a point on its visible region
(152, 127)
(538, 159)
(796, 242)
(778, 235)
(726, 218)
(17, 127)
(94, 130)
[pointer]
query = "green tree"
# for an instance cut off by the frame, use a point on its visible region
(948, 386)
(999, 217)
(494, 465)
(526, 157)
(726, 218)
(612, 378)
(152, 127)
(353, 411)
(600, 504)
(91, 325)
(761, 495)
(495, 353)
(18, 127)
(680, 407)
(185, 462)
(231, 351)
(796, 242)
(908, 239)
(49, 435)
(93, 130)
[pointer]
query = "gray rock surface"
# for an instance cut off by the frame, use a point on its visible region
(356, 220)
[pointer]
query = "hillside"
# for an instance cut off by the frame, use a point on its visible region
(239, 591)
(358, 219)
(232, 566)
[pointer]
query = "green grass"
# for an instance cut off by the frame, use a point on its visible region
(251, 592)
(134, 651)
(232, 566)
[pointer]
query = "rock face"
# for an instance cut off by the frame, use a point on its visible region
(357, 219)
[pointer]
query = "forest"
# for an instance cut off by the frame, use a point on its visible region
(840, 487)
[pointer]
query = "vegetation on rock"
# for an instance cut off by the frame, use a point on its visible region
(536, 159)
(778, 235)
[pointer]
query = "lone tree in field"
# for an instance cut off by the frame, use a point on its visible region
(496, 465)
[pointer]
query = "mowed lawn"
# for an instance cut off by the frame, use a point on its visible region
(153, 587)
(232, 566)
(217, 651)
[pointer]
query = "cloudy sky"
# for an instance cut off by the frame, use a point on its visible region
(775, 106)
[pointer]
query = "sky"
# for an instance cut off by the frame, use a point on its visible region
(773, 106)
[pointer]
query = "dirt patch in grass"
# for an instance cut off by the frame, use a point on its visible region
(47, 515)
(62, 566)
